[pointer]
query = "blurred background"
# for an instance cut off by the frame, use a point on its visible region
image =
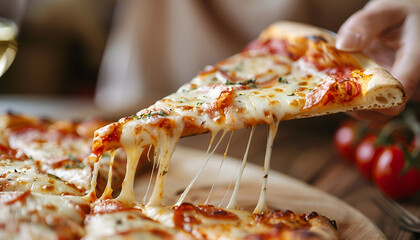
(61, 44)
(124, 55)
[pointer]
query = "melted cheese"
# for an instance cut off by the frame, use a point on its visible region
(108, 188)
(166, 149)
(220, 168)
(184, 194)
(62, 155)
(127, 193)
(233, 200)
(129, 224)
(151, 175)
(262, 202)
(247, 89)
(208, 222)
(25, 215)
(24, 176)
(49, 146)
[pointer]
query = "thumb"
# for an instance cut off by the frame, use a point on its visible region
(367, 24)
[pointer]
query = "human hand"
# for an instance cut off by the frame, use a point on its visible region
(389, 32)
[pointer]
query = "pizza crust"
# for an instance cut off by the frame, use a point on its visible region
(291, 30)
(324, 227)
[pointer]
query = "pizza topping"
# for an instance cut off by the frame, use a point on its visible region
(26, 175)
(215, 212)
(130, 224)
(108, 206)
(16, 198)
(312, 215)
(181, 219)
(58, 152)
(287, 219)
(39, 216)
(275, 46)
(11, 153)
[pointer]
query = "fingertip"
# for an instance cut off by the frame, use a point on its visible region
(378, 115)
(363, 26)
(393, 111)
(348, 41)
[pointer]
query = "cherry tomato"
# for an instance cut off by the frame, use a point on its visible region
(345, 140)
(387, 174)
(366, 155)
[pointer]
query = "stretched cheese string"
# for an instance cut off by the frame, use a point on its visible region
(234, 198)
(91, 195)
(232, 181)
(220, 167)
(262, 202)
(206, 155)
(127, 192)
(168, 144)
(184, 194)
(151, 174)
(108, 189)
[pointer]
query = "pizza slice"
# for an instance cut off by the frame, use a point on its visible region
(291, 71)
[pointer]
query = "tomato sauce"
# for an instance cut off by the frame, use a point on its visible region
(19, 198)
(183, 214)
(215, 212)
(112, 137)
(275, 46)
(313, 49)
(11, 153)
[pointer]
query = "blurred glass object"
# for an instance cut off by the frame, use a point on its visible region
(11, 12)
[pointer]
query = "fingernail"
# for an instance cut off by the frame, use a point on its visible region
(348, 41)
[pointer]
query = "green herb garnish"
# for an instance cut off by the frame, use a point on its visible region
(252, 80)
(229, 82)
(283, 80)
(150, 114)
(53, 176)
(249, 82)
(72, 158)
(162, 113)
(75, 163)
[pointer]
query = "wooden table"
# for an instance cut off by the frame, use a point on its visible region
(303, 149)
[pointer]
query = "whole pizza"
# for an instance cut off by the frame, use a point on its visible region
(64, 180)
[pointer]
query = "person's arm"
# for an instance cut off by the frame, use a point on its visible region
(389, 32)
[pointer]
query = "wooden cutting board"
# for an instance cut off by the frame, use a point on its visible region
(283, 192)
